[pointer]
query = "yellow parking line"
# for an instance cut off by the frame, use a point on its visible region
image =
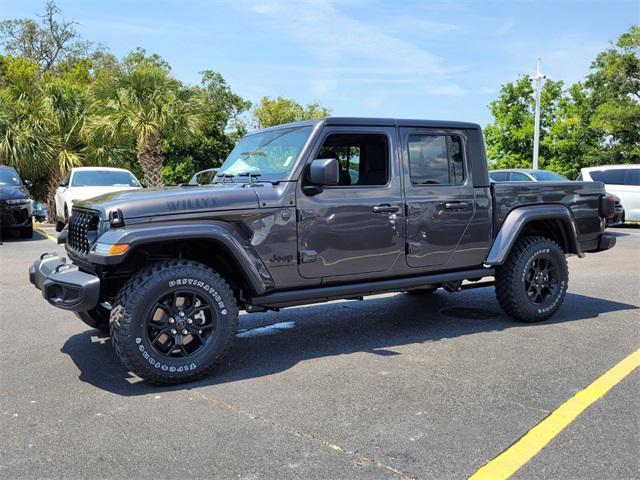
(50, 237)
(512, 459)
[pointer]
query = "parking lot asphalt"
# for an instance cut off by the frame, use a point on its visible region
(393, 386)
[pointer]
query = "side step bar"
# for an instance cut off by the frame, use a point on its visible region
(350, 290)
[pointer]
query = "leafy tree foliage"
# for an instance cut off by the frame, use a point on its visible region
(142, 103)
(46, 42)
(593, 122)
(270, 112)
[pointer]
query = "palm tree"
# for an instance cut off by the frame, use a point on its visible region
(144, 105)
(64, 106)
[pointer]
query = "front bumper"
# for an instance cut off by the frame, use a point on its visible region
(14, 216)
(64, 285)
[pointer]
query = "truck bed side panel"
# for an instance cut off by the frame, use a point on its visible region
(582, 199)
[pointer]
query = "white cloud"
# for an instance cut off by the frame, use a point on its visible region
(347, 50)
(506, 27)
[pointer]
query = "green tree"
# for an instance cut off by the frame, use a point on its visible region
(614, 107)
(142, 104)
(46, 42)
(593, 122)
(270, 112)
(510, 138)
(222, 127)
(24, 139)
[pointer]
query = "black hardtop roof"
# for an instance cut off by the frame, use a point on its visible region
(380, 122)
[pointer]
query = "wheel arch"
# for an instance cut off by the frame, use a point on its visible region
(222, 246)
(550, 221)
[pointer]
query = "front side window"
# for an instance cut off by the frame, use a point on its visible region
(104, 178)
(271, 154)
(436, 159)
(363, 158)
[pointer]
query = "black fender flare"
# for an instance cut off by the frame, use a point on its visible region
(235, 241)
(517, 219)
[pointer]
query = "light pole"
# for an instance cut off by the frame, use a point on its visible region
(536, 129)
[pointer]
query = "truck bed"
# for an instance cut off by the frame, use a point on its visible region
(582, 199)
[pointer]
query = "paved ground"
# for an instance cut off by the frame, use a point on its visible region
(395, 385)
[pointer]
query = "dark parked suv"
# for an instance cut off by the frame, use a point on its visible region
(15, 204)
(309, 212)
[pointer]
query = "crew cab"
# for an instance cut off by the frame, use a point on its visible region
(339, 208)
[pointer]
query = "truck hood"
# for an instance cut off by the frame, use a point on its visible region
(174, 200)
(76, 194)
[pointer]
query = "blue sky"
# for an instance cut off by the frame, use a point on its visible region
(410, 59)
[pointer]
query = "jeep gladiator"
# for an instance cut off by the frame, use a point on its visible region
(309, 212)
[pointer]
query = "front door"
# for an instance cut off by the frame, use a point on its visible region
(355, 227)
(439, 195)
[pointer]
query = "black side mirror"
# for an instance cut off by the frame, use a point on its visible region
(62, 184)
(324, 171)
(28, 183)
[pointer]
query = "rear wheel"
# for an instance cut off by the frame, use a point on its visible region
(174, 322)
(532, 283)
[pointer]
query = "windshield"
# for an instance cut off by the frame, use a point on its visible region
(9, 177)
(548, 176)
(104, 178)
(271, 154)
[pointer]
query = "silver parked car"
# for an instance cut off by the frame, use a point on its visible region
(525, 175)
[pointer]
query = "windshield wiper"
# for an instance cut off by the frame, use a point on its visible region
(255, 153)
(224, 176)
(253, 176)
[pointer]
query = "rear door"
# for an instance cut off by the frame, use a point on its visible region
(439, 195)
(355, 227)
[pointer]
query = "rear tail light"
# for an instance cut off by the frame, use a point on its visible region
(607, 206)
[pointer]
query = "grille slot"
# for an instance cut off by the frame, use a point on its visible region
(83, 230)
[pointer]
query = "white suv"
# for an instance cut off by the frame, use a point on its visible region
(621, 180)
(83, 183)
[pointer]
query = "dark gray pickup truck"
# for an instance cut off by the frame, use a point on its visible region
(309, 212)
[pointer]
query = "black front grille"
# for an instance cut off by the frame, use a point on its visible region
(83, 230)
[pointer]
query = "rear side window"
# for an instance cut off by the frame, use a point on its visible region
(618, 176)
(518, 177)
(499, 176)
(436, 159)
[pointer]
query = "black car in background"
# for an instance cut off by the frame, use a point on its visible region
(15, 204)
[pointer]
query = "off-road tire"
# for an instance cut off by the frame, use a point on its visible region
(134, 302)
(97, 318)
(510, 279)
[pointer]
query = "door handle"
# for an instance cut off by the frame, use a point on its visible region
(385, 208)
(456, 205)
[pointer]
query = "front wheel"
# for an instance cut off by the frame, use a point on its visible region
(174, 322)
(532, 283)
